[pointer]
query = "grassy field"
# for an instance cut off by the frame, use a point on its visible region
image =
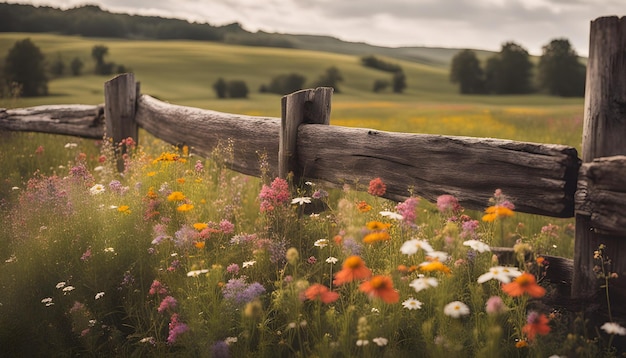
(182, 72)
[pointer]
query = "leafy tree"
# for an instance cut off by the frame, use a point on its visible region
(466, 71)
(57, 67)
(398, 82)
(102, 68)
(376, 63)
(220, 88)
(509, 72)
(286, 83)
(559, 71)
(76, 66)
(330, 78)
(25, 65)
(237, 89)
(380, 85)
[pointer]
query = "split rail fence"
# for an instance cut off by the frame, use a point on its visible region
(544, 179)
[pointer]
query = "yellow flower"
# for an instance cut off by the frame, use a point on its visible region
(176, 196)
(434, 266)
(185, 150)
(200, 226)
(199, 244)
(184, 207)
(124, 209)
(497, 211)
(151, 174)
(166, 157)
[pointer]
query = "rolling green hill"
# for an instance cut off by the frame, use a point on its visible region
(183, 72)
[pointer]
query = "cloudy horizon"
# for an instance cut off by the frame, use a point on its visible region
(476, 24)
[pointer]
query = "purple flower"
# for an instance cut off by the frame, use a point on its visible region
(168, 303)
(176, 329)
(220, 350)
(239, 292)
(117, 187)
(242, 239)
(185, 236)
(319, 194)
(277, 251)
(174, 265)
(351, 246)
(468, 229)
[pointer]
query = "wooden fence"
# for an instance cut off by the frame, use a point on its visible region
(545, 179)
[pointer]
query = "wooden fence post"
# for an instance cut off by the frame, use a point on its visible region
(311, 106)
(604, 134)
(120, 98)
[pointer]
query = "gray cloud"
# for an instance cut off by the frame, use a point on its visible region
(479, 24)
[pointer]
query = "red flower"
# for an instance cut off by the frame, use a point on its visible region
(353, 269)
(377, 187)
(382, 287)
(320, 292)
(525, 283)
(537, 324)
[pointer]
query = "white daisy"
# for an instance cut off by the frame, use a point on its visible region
(614, 328)
(412, 304)
(332, 260)
(391, 215)
(456, 309)
(503, 274)
(301, 201)
(423, 283)
(411, 247)
(196, 273)
(477, 245)
(96, 189)
(321, 243)
(380, 341)
(248, 263)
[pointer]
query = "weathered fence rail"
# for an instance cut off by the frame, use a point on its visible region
(544, 179)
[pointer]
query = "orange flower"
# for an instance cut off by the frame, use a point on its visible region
(151, 194)
(180, 180)
(320, 292)
(363, 207)
(377, 225)
(125, 209)
(537, 324)
(525, 283)
(434, 265)
(353, 269)
(199, 244)
(521, 344)
(376, 236)
(382, 287)
(498, 211)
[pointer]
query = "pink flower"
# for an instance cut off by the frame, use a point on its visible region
(227, 227)
(168, 303)
(276, 194)
(176, 329)
(157, 288)
(407, 210)
(495, 305)
(448, 203)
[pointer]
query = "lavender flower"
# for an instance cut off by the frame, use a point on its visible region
(239, 292)
(220, 350)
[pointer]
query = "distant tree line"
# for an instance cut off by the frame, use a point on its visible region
(91, 21)
(398, 79)
(510, 71)
(26, 71)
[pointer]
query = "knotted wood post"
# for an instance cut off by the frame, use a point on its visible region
(120, 98)
(310, 106)
(604, 134)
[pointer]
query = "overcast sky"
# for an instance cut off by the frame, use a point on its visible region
(476, 24)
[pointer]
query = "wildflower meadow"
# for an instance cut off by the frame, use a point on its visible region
(179, 256)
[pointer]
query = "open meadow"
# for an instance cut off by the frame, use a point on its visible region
(179, 256)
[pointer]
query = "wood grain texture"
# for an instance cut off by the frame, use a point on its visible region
(540, 178)
(74, 119)
(249, 138)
